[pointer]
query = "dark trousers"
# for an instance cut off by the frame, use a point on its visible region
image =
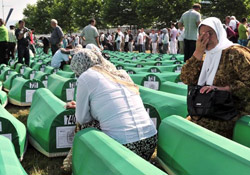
(3, 52)
(126, 47)
(140, 48)
(54, 48)
(189, 48)
(11, 50)
(23, 52)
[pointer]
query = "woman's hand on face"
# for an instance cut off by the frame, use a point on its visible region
(71, 105)
(201, 45)
(207, 89)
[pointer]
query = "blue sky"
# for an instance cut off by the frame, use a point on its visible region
(18, 6)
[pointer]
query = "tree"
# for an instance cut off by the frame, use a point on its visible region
(223, 8)
(120, 12)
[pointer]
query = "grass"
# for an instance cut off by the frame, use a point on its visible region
(36, 163)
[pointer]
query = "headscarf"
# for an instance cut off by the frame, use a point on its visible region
(212, 59)
(86, 58)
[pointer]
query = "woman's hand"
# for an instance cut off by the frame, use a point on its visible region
(207, 89)
(71, 105)
(201, 45)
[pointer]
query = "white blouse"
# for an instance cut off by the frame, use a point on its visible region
(120, 111)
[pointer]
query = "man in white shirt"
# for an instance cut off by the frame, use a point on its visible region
(60, 58)
(154, 40)
(140, 40)
(165, 40)
(119, 39)
(145, 36)
(181, 39)
(77, 40)
(173, 42)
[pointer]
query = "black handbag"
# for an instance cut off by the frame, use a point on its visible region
(216, 104)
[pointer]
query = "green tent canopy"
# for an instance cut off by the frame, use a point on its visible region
(50, 125)
(5, 72)
(185, 148)
(13, 129)
(165, 104)
(22, 91)
(63, 88)
(43, 77)
(175, 88)
(96, 153)
(66, 74)
(3, 98)
(9, 163)
(8, 82)
(242, 130)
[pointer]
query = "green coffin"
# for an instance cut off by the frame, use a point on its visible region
(3, 98)
(22, 91)
(66, 67)
(66, 74)
(185, 148)
(13, 129)
(242, 130)
(12, 63)
(63, 88)
(19, 68)
(50, 70)
(43, 77)
(96, 153)
(8, 82)
(50, 125)
(174, 88)
(9, 163)
(29, 73)
(39, 66)
(5, 72)
(164, 104)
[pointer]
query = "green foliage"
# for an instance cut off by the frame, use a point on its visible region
(73, 15)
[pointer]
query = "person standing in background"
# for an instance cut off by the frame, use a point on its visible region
(243, 32)
(56, 36)
(165, 40)
(191, 20)
(90, 34)
(119, 39)
(3, 42)
(130, 41)
(181, 39)
(32, 42)
(12, 43)
(22, 43)
(153, 39)
(126, 41)
(173, 42)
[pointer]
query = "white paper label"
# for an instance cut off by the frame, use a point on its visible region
(45, 83)
(29, 95)
(12, 62)
(7, 76)
(153, 70)
(0, 126)
(151, 84)
(40, 61)
(64, 136)
(34, 85)
(69, 120)
(9, 136)
(139, 65)
(177, 71)
(42, 69)
(32, 76)
(21, 71)
(70, 92)
(55, 70)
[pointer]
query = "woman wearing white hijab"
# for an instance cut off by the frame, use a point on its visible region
(218, 63)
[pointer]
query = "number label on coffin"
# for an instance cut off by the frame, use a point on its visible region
(158, 64)
(173, 58)
(119, 67)
(130, 72)
(40, 61)
(32, 75)
(33, 85)
(29, 95)
(42, 68)
(70, 92)
(9, 136)
(134, 58)
(1, 127)
(55, 70)
(21, 71)
(152, 84)
(72, 85)
(69, 120)
(120, 59)
(178, 69)
(154, 120)
(177, 62)
(139, 66)
(12, 62)
(154, 70)
(158, 59)
(180, 83)
(65, 136)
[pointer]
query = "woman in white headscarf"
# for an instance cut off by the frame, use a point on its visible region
(218, 63)
(110, 97)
